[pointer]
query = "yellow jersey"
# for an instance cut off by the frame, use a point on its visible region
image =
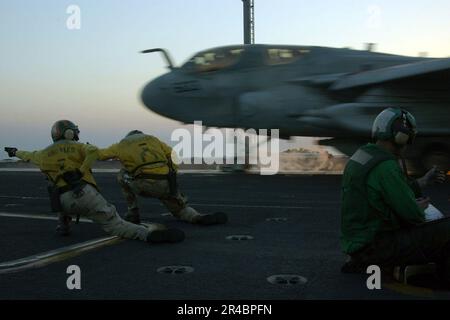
(63, 156)
(140, 153)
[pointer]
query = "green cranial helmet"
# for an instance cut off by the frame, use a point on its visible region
(132, 133)
(396, 125)
(65, 130)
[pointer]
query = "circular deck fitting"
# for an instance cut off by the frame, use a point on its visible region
(277, 219)
(239, 237)
(287, 279)
(175, 269)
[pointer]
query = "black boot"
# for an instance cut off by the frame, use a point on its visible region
(166, 235)
(133, 216)
(211, 219)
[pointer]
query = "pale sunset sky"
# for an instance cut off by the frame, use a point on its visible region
(93, 76)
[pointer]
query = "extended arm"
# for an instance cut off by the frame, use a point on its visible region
(34, 157)
(109, 153)
(399, 195)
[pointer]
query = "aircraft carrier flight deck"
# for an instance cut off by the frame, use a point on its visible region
(281, 243)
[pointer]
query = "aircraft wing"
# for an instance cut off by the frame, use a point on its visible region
(405, 71)
(423, 89)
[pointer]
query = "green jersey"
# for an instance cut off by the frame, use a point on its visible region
(376, 197)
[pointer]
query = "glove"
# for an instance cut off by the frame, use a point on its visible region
(432, 176)
(11, 151)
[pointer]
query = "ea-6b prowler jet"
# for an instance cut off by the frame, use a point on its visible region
(309, 91)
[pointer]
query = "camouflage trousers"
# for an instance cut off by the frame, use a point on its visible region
(90, 204)
(159, 189)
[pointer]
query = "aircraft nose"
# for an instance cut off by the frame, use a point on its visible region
(153, 92)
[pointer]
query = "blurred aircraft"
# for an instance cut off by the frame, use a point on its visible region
(309, 91)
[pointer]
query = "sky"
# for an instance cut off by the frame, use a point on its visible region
(93, 75)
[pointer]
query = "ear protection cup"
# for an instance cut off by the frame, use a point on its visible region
(401, 138)
(64, 129)
(69, 134)
(402, 131)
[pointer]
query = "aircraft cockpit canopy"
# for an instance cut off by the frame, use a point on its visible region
(214, 60)
(277, 56)
(225, 57)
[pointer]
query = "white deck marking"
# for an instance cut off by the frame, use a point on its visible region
(19, 170)
(199, 171)
(206, 171)
(212, 204)
(248, 206)
(23, 197)
(35, 216)
(45, 258)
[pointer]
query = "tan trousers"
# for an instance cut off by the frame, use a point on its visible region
(177, 205)
(91, 204)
